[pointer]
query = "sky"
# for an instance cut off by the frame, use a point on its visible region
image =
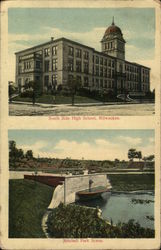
(32, 26)
(87, 144)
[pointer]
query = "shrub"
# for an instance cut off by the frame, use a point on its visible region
(74, 221)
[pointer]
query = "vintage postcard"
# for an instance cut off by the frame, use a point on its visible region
(80, 124)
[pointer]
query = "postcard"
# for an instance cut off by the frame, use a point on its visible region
(80, 124)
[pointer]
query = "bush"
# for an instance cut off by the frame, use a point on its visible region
(74, 221)
(27, 93)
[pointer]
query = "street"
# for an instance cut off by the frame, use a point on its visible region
(23, 109)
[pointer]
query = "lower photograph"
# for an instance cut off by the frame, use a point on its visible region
(81, 183)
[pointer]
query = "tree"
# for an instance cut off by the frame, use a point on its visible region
(139, 155)
(73, 84)
(14, 152)
(29, 154)
(132, 153)
(150, 157)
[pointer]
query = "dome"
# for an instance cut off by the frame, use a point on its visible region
(113, 29)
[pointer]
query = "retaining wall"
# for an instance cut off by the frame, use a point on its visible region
(71, 185)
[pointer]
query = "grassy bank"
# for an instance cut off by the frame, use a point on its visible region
(28, 201)
(48, 99)
(132, 182)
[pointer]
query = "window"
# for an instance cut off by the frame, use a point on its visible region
(105, 72)
(97, 70)
(101, 71)
(55, 64)
(97, 83)
(38, 64)
(47, 66)
(47, 52)
(86, 68)
(86, 55)
(70, 78)
(112, 73)
(54, 50)
(37, 78)
(54, 80)
(78, 53)
(97, 60)
(105, 62)
(113, 64)
(105, 84)
(79, 79)
(78, 66)
(19, 69)
(27, 65)
(19, 82)
(109, 63)
(70, 64)
(101, 83)
(109, 73)
(101, 61)
(86, 81)
(46, 80)
(120, 67)
(71, 51)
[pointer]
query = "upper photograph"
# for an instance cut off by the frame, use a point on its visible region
(81, 61)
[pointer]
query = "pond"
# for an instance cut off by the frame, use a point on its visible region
(125, 206)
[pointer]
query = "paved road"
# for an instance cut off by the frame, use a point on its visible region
(81, 110)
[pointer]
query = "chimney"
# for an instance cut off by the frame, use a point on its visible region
(52, 38)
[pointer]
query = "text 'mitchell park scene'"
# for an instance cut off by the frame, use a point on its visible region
(96, 61)
(81, 184)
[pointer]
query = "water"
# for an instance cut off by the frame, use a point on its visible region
(119, 207)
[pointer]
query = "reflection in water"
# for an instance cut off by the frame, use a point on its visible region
(119, 207)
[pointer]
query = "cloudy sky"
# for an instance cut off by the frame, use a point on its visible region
(31, 26)
(87, 144)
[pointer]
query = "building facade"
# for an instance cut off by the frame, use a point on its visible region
(56, 62)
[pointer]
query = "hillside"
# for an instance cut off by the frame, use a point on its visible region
(28, 201)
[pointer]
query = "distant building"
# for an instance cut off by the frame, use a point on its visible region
(55, 62)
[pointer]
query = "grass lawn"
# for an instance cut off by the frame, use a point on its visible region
(28, 201)
(48, 99)
(131, 182)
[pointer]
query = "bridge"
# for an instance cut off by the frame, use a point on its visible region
(67, 187)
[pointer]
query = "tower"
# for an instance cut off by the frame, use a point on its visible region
(113, 42)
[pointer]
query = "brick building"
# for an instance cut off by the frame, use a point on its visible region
(57, 61)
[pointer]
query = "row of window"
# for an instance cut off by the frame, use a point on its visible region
(78, 53)
(132, 77)
(145, 79)
(131, 68)
(145, 71)
(27, 65)
(54, 65)
(109, 45)
(53, 82)
(54, 51)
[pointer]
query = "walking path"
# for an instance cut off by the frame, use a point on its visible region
(76, 104)
(44, 223)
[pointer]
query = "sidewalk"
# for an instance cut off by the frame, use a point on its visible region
(45, 105)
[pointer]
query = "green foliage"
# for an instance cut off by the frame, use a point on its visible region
(29, 154)
(149, 158)
(28, 201)
(131, 182)
(14, 152)
(72, 221)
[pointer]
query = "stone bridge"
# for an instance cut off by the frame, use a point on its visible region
(66, 192)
